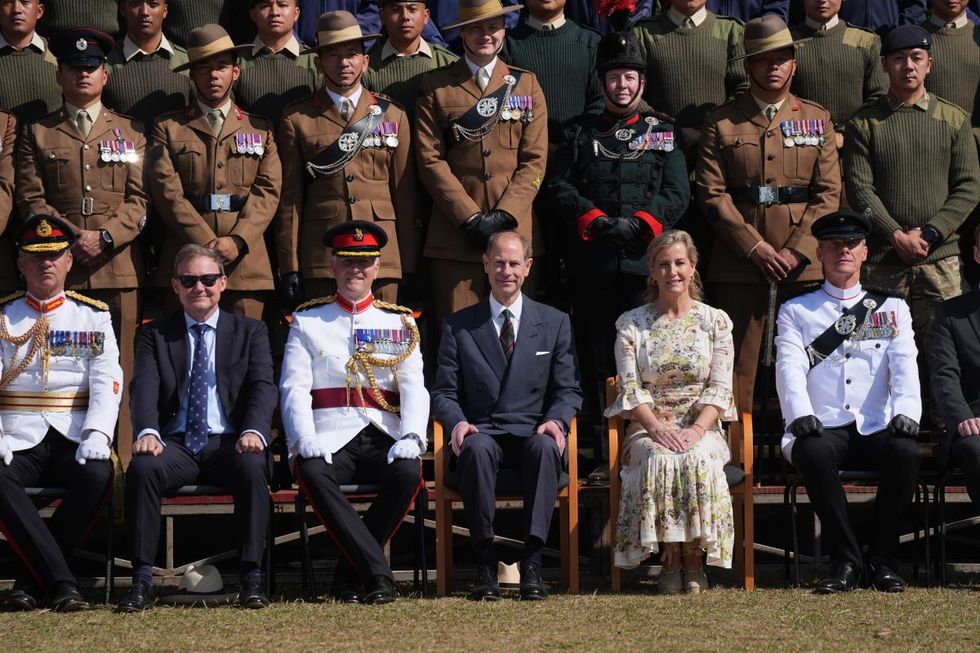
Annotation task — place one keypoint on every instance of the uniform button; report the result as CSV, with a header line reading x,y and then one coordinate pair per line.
x,y
768,180
88,167
351,200
486,152
847,406
219,186
769,134
220,164
487,177
86,146
88,189
877,345
350,177
770,157
848,382
51,156
847,355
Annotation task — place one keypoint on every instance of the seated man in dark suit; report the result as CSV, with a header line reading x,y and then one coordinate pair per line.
x,y
508,388
955,370
202,399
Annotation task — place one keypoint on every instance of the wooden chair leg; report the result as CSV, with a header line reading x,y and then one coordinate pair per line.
x,y
748,535
572,556
566,566
444,546
738,508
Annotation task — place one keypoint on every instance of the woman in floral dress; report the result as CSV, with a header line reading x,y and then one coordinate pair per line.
x,y
674,356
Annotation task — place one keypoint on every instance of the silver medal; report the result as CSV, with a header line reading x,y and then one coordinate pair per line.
x,y
347,142
624,134
505,114
870,303
259,149
788,142
668,147
487,107
391,141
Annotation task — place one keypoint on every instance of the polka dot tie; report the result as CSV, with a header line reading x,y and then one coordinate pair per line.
x,y
196,431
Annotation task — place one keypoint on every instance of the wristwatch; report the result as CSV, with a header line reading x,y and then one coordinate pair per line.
x,y
106,238
931,235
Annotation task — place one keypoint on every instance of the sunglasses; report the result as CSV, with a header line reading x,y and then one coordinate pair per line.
x,y
190,280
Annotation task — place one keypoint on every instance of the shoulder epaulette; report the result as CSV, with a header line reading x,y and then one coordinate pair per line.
x,y
523,70
392,308
737,21
11,297
858,37
387,98
810,103
659,115
948,112
319,301
94,303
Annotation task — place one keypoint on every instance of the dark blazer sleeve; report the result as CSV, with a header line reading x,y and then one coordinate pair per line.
x,y
564,390
258,388
144,388
446,390
946,373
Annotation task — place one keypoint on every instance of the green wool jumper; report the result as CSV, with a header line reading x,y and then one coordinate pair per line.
x,y
400,78
102,15
913,167
146,86
689,71
29,89
271,80
564,61
185,15
955,72
839,68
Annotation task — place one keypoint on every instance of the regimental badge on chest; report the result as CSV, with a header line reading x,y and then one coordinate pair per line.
x,y
118,150
77,344
382,341
249,143
803,133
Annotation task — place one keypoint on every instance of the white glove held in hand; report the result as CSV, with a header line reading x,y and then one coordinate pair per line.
x,y
314,448
5,453
94,447
406,448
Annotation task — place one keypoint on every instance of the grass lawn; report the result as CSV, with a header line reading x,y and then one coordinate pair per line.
x,y
721,620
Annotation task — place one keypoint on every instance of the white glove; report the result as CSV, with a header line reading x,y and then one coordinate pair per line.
x,y
314,448
5,453
405,448
94,447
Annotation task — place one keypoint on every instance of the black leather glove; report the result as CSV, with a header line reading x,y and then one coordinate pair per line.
x,y
291,290
601,226
628,234
484,225
903,427
807,426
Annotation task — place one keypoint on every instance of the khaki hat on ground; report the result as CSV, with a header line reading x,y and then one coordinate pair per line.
x,y
208,41
765,34
476,11
200,586
336,27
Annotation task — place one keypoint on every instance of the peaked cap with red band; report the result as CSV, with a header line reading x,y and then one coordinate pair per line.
x,y
356,238
44,233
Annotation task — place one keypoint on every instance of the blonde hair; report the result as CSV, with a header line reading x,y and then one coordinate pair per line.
x,y
662,242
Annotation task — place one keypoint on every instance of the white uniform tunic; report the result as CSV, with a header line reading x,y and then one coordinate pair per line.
x,y
871,377
83,359
321,341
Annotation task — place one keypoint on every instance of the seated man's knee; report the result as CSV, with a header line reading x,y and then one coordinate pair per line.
x,y
405,474
252,467
812,454
143,468
902,450
966,453
96,473
477,446
540,446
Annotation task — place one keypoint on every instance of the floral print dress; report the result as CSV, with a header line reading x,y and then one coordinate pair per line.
x,y
677,366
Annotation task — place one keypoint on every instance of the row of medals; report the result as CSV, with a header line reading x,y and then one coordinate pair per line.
x,y
116,151
803,132
249,144
627,135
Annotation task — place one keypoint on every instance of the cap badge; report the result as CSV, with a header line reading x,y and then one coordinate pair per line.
x,y
870,303
81,45
358,235
43,229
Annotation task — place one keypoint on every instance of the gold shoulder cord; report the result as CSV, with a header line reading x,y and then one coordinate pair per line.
x,y
37,335
362,360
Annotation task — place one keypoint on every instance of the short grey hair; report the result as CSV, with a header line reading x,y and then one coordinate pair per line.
x,y
492,241
192,250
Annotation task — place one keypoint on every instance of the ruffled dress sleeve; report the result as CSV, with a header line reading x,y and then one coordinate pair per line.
x,y
629,336
718,391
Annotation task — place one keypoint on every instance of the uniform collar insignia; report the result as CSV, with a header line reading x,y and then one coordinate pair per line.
x,y
355,307
45,306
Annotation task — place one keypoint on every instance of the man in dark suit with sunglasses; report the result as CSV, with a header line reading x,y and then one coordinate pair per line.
x,y
202,399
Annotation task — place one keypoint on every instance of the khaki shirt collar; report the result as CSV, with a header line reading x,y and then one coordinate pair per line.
x,y
338,99
291,47
473,67
816,26
959,22
388,50
130,49
225,108
536,24
36,42
762,104
895,104
697,17
93,111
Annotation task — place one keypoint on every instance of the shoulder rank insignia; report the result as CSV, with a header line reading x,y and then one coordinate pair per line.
x,y
94,303
393,308
11,297
319,301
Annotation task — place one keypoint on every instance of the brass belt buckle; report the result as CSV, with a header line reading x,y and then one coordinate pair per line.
x,y
88,206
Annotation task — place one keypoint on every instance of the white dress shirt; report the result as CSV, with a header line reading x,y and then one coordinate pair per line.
x,y
496,310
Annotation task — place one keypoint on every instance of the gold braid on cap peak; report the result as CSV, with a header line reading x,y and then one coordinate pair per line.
x,y
363,360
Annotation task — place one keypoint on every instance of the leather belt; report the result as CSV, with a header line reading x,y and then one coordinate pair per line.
x,y
338,398
217,202
51,402
770,195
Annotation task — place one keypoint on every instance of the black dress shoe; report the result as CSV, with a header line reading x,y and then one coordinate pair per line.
x,y
884,579
250,595
844,577
487,588
532,587
346,585
380,590
139,598
20,599
67,598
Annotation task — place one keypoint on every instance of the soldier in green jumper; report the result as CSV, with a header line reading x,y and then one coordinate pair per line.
x,y
910,157
27,67
618,181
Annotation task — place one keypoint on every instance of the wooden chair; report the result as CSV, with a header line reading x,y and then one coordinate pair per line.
x,y
446,496
738,474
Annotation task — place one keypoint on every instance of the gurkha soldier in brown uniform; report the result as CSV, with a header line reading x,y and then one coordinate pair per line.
x,y
215,177
84,163
346,155
766,170
9,280
482,134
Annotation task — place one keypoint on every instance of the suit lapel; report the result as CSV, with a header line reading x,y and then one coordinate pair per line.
x,y
974,314
197,121
465,80
747,105
67,126
488,342
100,127
500,70
527,335
177,344
221,354
233,122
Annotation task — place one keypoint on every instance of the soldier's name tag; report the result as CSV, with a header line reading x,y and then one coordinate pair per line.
x,y
77,344
662,141
384,135
250,144
803,133
393,342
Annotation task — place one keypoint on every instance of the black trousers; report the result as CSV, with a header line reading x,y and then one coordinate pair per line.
x,y
966,454
363,460
246,476
538,463
820,459
45,548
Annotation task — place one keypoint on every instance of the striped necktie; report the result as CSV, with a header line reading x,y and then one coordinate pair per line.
x,y
507,334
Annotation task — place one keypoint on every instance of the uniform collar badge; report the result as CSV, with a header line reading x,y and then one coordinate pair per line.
x,y
45,306
355,308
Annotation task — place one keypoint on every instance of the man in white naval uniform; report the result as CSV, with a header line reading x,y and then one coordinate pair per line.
x,y
355,410
60,385
849,393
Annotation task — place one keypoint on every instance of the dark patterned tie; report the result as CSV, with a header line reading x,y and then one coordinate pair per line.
x,y
196,431
507,334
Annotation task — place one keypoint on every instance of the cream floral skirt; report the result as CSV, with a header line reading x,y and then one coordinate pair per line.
x,y
674,497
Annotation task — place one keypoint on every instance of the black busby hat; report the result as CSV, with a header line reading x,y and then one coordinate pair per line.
x,y
620,50
842,225
356,238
